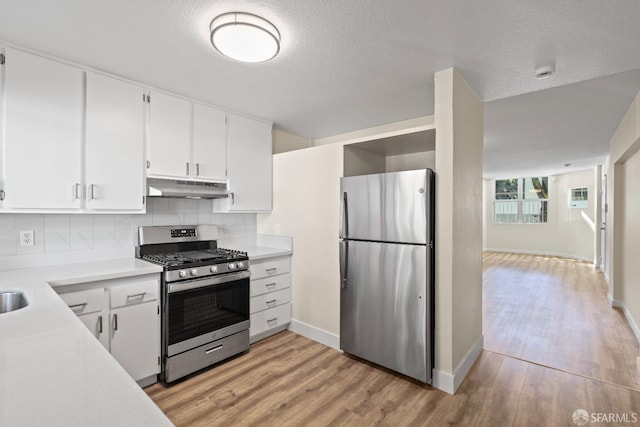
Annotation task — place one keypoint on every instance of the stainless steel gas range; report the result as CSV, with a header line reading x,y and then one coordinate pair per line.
x,y
204,298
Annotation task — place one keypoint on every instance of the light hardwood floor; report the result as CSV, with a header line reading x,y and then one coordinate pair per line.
x,y
289,380
554,312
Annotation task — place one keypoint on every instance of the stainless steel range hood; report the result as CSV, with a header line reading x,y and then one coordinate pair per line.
x,y
185,189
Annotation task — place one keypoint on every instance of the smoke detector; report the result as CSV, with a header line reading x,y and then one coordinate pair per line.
x,y
545,71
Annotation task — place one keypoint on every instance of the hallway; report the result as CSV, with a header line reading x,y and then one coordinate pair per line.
x,y
554,312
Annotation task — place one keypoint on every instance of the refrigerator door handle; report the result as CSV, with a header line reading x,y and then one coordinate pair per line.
x,y
344,261
344,224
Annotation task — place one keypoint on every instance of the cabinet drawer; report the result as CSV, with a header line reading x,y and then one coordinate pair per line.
x,y
269,267
270,284
134,293
267,319
83,302
270,300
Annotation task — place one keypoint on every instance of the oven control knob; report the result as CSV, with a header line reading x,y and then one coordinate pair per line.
x,y
182,273
232,266
214,269
240,264
194,272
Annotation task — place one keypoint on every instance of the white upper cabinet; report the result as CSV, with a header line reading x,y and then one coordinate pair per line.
x,y
75,140
169,136
250,166
43,133
114,144
209,149
187,141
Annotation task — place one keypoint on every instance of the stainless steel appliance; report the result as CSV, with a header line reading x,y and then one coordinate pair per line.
x,y
204,298
386,268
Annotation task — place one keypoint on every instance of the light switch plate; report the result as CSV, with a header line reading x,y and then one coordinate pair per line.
x,y
27,237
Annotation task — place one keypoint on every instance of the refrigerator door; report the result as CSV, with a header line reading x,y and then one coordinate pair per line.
x,y
388,207
384,300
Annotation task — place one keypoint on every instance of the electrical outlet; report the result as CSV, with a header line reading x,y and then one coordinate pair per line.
x,y
27,237
277,228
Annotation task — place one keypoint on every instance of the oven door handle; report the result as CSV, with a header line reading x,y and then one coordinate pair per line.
x,y
208,281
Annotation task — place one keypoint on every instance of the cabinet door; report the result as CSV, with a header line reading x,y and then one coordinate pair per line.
x,y
43,133
209,143
97,323
250,164
114,144
135,336
169,136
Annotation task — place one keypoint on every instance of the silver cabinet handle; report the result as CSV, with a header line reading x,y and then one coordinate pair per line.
x,y
271,270
76,191
272,320
344,220
81,305
115,321
1,194
148,164
268,285
211,350
233,198
140,295
92,191
100,324
344,262
270,302
197,169
187,168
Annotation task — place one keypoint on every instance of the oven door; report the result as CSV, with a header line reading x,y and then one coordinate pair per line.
x,y
204,310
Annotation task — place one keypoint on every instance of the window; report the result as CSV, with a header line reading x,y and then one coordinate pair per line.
x,y
578,198
521,200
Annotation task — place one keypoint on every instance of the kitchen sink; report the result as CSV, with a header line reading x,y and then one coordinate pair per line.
x,y
10,301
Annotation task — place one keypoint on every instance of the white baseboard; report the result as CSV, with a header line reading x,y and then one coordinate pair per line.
x,y
450,383
315,334
632,322
558,254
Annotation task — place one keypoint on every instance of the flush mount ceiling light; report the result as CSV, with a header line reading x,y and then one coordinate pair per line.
x,y
244,37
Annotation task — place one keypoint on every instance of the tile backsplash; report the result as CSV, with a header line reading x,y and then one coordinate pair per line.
x,y
93,237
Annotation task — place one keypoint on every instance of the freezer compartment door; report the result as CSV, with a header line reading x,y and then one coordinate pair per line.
x,y
388,207
385,307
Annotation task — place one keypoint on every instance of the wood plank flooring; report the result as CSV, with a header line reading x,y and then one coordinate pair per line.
x,y
289,380
554,312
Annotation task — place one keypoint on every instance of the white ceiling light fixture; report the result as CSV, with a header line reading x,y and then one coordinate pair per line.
x,y
244,37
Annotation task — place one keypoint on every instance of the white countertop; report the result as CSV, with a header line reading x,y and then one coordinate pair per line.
x,y
264,246
53,372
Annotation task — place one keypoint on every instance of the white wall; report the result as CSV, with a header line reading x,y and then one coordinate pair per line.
x,y
306,207
403,162
285,141
61,238
622,216
459,120
568,232
630,289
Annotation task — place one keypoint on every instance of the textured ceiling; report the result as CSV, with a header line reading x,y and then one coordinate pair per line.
x,y
348,65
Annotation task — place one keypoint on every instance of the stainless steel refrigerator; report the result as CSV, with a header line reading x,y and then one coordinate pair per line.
x,y
387,270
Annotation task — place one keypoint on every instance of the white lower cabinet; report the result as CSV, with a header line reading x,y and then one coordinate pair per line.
x,y
96,323
124,315
270,303
133,341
